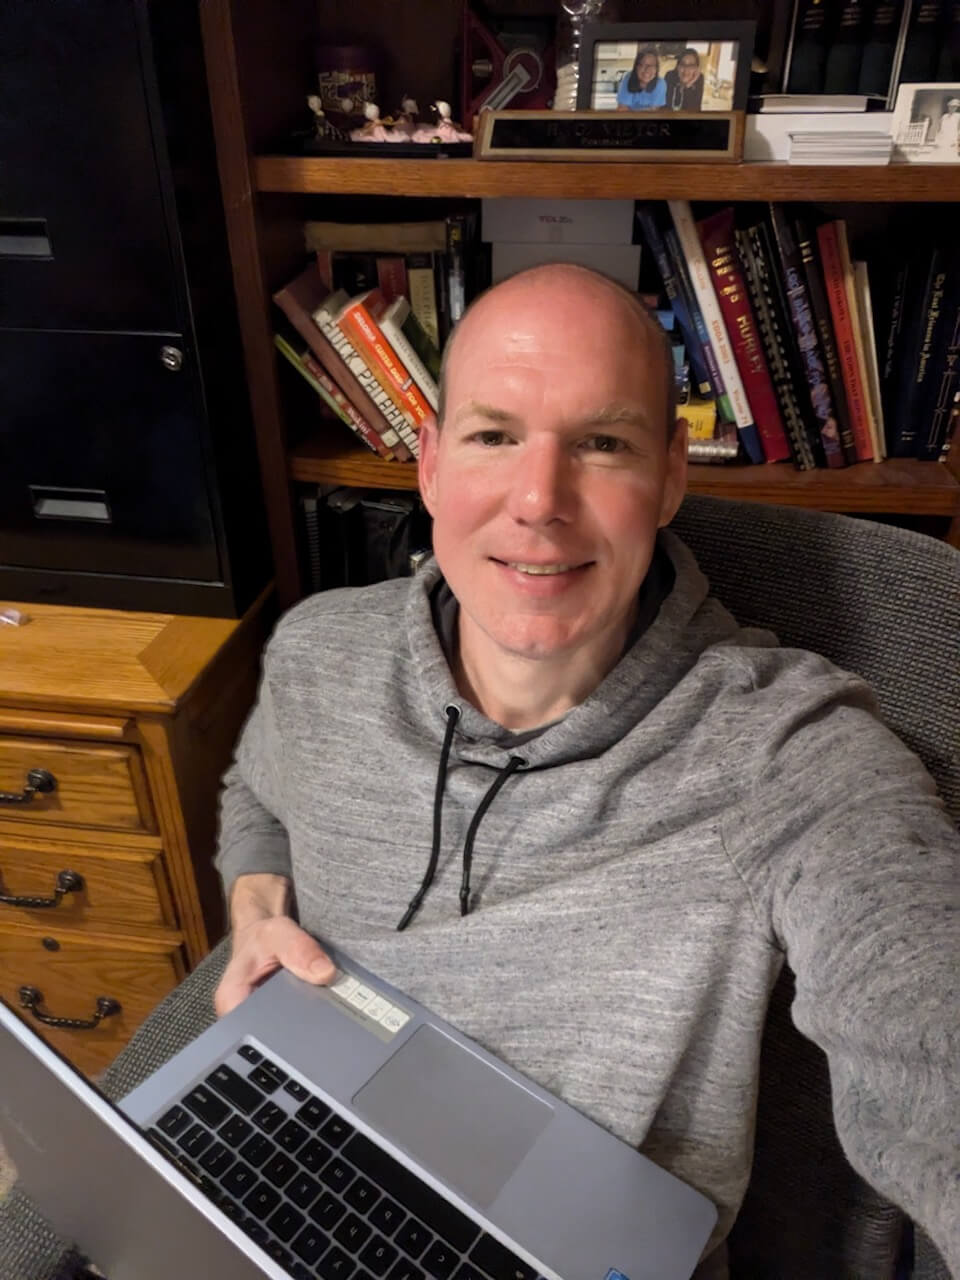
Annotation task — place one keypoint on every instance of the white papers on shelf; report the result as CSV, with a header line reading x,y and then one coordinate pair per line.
x,y
770,137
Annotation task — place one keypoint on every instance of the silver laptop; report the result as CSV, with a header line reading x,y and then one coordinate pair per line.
x,y
338,1133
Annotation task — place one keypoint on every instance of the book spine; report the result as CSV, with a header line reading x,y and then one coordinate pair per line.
x,y
671,287
360,321
328,355
703,288
953,427
456,269
948,62
684,283
902,442
922,49
808,345
395,417
770,330
391,444
412,362
307,367
847,34
422,279
308,504
809,51
872,372
854,305
392,277
876,63
934,415
716,234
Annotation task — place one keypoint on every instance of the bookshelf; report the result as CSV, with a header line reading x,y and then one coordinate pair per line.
x,y
259,60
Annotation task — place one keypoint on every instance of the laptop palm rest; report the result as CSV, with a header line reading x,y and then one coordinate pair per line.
x,y
459,1116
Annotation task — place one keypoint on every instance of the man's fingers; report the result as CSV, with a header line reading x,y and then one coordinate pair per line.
x,y
303,956
262,948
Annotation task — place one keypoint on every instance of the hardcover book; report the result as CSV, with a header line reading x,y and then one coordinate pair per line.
x,y
423,275
647,219
921,51
808,54
940,381
921,311
685,285
876,61
861,281
396,322
844,53
359,318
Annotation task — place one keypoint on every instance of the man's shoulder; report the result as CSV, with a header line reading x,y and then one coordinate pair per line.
x,y
339,614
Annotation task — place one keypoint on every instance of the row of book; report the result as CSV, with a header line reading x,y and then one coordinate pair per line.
x,y
786,339
863,46
366,320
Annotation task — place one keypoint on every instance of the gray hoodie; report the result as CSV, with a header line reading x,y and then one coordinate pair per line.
x,y
716,804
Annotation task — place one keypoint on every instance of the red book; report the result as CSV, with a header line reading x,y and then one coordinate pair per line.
x,y
719,247
392,277
359,321
360,424
298,300
838,295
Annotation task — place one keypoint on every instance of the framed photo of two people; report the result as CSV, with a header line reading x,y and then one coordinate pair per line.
x,y
665,66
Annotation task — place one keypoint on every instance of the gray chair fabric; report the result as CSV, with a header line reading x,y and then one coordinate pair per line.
x,y
873,599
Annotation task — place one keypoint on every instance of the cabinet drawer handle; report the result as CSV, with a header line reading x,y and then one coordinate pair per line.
x,y
67,882
30,998
38,781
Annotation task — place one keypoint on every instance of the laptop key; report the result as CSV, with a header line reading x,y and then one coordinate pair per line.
x,y
362,1196
352,1232
270,1117
235,1089
251,1054
263,1080
387,1216
466,1271
255,1230
336,1265
296,1090
309,1244
278,1253
314,1155
195,1141
497,1261
273,1070
217,1159
279,1169
206,1106
173,1121
336,1131
430,1207
337,1174
439,1261
327,1211
263,1199
303,1190
235,1131
378,1255
286,1222
238,1180
299,1271
403,1269
230,1207
291,1136
257,1150
313,1113
413,1237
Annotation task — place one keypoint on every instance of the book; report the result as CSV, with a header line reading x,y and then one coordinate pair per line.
x,y
422,276
922,308
456,275
859,338
922,47
392,276
392,322
848,32
716,236
825,321
310,371
808,53
771,137
325,318
647,219
880,46
377,237
775,332
686,230
940,385
299,301
679,263
861,279
805,333
359,319
948,60
836,266
813,103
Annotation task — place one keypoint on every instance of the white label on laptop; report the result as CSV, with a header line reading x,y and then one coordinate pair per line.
x,y
374,1009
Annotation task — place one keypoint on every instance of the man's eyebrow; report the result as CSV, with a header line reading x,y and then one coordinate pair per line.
x,y
613,414
474,409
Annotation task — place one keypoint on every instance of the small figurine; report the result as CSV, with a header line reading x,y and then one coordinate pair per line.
x,y
407,118
325,131
445,130
375,129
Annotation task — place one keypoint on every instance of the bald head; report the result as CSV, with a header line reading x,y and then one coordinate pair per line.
x,y
594,295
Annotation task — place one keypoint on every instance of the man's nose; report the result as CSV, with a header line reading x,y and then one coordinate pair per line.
x,y
542,485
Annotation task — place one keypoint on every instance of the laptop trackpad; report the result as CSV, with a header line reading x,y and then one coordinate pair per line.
x,y
464,1120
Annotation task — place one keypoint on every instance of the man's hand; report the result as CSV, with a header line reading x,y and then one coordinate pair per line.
x,y
265,939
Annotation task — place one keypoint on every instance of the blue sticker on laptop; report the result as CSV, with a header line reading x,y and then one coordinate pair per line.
x,y
613,1274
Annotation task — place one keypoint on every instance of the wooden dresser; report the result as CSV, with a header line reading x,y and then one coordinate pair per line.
x,y
114,731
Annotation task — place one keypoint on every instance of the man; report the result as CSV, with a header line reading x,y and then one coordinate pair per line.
x,y
553,790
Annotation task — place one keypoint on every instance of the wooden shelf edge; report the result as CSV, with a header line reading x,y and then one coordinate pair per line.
x,y
900,486
477,178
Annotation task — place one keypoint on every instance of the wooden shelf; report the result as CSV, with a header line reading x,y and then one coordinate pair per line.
x,y
475,178
901,485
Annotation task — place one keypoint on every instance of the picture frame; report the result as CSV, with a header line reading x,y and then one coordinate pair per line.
x,y
926,123
601,136
700,66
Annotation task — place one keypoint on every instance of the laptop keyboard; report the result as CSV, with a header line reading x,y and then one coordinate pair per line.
x,y
316,1194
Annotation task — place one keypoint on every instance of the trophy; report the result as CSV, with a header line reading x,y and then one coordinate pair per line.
x,y
574,16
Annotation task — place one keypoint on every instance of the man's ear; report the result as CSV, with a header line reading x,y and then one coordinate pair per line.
x,y
675,480
429,439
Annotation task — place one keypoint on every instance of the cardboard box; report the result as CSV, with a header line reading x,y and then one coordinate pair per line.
x,y
558,221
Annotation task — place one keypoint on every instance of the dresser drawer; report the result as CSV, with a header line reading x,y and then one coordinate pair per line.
x,y
56,885
72,977
96,785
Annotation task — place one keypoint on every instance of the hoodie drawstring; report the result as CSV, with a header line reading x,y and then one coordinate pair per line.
x,y
512,765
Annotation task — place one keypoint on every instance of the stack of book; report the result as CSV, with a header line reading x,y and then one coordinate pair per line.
x,y
825,134
782,333
840,146
525,233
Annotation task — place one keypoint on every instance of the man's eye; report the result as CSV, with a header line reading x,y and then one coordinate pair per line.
x,y
604,444
490,438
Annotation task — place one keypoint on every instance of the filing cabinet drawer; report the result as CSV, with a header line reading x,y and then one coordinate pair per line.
x,y
95,785
70,972
56,885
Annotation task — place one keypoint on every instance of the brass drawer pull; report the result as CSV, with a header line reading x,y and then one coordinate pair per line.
x,y
67,882
38,781
30,997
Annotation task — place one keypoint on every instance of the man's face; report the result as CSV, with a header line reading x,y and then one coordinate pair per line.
x,y
688,70
551,473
